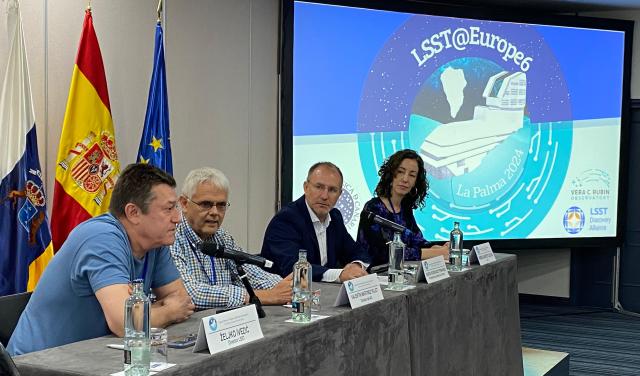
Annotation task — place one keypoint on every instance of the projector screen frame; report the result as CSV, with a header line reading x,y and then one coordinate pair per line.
x,y
472,12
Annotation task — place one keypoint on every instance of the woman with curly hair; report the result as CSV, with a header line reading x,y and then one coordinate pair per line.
x,y
402,188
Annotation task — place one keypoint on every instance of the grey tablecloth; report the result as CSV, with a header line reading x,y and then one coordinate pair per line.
x,y
465,325
468,324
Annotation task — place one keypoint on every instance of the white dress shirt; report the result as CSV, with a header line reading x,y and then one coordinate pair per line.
x,y
320,227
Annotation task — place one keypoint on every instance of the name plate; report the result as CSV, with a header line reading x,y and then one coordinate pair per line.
x,y
434,269
359,292
229,329
482,253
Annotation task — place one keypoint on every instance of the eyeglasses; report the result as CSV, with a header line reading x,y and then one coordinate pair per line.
x,y
319,187
208,205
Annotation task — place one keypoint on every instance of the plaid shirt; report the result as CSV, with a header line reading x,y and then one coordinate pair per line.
x,y
210,281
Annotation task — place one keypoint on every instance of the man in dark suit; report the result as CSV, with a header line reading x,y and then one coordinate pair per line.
x,y
312,223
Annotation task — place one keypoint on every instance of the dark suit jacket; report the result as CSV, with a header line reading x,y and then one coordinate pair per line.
x,y
291,229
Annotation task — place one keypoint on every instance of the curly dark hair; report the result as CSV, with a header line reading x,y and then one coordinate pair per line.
x,y
415,198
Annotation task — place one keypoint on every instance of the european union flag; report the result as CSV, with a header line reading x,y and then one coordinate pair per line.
x,y
155,146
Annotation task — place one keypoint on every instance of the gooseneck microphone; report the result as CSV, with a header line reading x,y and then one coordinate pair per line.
x,y
371,216
217,250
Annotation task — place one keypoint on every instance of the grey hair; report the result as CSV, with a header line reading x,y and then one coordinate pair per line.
x,y
201,175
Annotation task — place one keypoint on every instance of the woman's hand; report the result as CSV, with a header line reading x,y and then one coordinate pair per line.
x,y
435,251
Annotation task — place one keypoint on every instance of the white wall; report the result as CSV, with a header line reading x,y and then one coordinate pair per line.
x,y
221,58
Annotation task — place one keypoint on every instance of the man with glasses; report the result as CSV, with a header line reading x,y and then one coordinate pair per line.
x,y
312,223
213,282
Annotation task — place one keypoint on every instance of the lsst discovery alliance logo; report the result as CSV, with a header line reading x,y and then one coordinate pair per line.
x,y
573,220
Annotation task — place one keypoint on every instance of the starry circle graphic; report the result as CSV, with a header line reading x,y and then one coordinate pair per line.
x,y
349,206
493,149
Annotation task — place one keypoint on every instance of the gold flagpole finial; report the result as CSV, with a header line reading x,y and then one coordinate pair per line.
x,y
89,5
159,11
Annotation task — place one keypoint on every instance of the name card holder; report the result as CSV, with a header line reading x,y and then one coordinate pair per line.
x,y
228,329
482,254
434,269
359,292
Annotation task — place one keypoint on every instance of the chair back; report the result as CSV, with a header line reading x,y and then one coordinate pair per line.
x,y
7,366
11,307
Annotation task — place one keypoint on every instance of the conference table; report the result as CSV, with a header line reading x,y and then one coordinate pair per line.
x,y
467,324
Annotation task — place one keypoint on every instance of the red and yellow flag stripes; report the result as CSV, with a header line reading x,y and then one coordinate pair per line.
x,y
87,163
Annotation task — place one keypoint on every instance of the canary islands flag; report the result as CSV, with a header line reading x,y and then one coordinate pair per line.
x,y
155,146
25,241
87,164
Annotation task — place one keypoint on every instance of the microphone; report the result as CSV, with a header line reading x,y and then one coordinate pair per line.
x,y
216,250
384,222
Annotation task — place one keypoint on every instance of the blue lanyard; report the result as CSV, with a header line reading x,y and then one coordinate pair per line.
x,y
144,269
396,216
212,277
143,275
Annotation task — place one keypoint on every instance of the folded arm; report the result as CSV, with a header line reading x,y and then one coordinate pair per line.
x,y
174,305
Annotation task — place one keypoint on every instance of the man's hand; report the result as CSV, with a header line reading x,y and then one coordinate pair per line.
x,y
177,307
278,294
351,271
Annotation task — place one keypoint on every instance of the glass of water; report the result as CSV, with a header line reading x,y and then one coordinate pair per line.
x,y
410,272
158,341
315,300
465,257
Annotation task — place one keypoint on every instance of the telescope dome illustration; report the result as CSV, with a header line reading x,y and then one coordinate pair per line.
x,y
457,148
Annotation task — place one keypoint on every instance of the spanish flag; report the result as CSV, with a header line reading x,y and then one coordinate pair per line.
x,y
25,241
87,165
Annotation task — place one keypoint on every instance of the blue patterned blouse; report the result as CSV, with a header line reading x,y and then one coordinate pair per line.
x,y
374,237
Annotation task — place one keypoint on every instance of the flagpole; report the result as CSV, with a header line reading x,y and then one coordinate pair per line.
x,y
159,11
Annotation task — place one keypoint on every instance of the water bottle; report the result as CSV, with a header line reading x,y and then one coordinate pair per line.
x,y
301,299
396,263
137,352
455,248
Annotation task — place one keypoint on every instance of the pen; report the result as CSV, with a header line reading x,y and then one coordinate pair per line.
x,y
115,346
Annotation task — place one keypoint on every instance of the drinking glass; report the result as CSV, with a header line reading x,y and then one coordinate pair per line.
x,y
410,272
315,300
158,341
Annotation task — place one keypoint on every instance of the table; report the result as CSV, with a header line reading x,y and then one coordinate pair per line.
x,y
467,324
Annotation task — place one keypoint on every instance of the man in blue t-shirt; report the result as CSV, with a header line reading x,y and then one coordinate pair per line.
x,y
82,292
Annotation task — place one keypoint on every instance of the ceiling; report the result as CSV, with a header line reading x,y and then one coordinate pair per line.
x,y
564,6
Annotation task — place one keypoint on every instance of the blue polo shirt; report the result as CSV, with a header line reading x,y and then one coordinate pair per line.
x,y
64,307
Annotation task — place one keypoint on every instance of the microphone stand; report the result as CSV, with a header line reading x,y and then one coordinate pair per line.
x,y
253,299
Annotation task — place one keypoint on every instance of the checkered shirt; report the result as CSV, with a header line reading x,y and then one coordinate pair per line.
x,y
225,289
